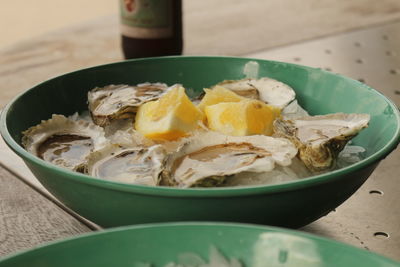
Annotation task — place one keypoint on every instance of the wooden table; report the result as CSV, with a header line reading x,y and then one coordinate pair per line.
x,y
29,216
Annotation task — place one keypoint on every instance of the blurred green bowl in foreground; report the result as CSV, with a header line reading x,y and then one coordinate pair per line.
x,y
291,204
222,245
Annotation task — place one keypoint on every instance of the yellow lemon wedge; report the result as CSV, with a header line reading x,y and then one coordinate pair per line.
x,y
169,118
218,95
247,117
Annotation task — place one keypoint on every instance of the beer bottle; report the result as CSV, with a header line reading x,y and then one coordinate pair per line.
x,y
151,27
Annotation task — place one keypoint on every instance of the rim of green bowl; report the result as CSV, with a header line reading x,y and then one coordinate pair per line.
x,y
207,224
202,192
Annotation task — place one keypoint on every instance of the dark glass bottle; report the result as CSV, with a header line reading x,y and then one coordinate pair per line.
x,y
151,28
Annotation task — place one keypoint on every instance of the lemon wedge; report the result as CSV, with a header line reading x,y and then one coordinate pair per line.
x,y
218,95
169,118
247,117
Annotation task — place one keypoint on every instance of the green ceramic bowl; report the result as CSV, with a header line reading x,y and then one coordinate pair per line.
x,y
291,204
160,244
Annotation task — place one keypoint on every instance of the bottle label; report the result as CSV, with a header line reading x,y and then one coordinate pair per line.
x,y
147,19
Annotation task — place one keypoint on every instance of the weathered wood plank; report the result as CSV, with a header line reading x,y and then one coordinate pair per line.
x,y
224,27
16,165
28,219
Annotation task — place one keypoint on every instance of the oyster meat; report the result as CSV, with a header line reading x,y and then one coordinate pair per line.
x,y
207,159
280,174
321,138
113,102
63,141
135,165
270,91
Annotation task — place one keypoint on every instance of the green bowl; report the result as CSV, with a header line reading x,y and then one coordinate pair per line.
x,y
160,244
291,204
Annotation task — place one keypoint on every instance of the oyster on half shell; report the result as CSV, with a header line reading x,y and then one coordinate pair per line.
x,y
208,159
112,102
63,141
321,138
270,91
134,165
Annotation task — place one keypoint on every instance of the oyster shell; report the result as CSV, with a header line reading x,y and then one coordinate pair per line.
x,y
209,158
63,141
121,101
270,91
135,165
321,138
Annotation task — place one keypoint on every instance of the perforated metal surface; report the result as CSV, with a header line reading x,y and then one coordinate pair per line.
x,y
370,218
371,56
